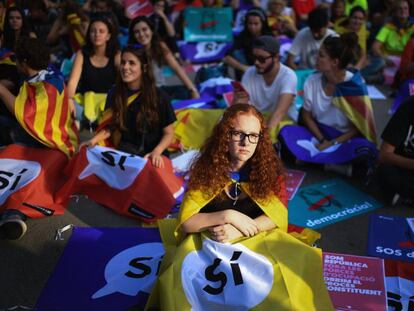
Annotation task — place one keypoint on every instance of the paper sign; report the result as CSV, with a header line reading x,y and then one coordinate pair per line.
x,y
390,237
325,203
135,8
294,179
208,24
355,282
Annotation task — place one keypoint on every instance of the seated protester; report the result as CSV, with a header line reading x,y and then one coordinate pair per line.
x,y
236,170
32,60
240,56
396,158
15,27
40,18
95,66
162,25
69,30
236,195
281,19
42,97
138,119
337,114
308,40
350,4
406,69
141,32
337,11
269,85
355,23
390,40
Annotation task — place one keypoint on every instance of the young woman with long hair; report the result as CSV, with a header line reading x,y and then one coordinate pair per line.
x,y
236,185
15,26
141,31
339,125
138,118
96,64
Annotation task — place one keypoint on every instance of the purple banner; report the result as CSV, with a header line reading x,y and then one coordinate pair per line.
x,y
215,87
104,269
301,142
204,102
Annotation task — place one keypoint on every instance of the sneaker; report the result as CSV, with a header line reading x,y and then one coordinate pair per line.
x,y
12,228
344,169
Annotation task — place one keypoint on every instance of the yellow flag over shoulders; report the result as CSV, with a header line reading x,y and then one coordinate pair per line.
x,y
270,271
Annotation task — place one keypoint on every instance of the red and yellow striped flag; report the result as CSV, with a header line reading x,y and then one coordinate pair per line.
x,y
42,109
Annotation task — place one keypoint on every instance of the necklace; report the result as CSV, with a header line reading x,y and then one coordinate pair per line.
x,y
234,192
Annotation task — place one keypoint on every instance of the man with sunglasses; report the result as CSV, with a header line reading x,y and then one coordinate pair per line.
x,y
269,85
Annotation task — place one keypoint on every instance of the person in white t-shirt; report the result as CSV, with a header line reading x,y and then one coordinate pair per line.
x,y
308,40
269,85
339,126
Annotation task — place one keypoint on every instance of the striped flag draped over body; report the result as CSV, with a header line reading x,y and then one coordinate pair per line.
x,y
42,109
352,98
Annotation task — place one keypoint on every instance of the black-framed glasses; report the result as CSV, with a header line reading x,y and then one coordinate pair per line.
x,y
238,136
261,59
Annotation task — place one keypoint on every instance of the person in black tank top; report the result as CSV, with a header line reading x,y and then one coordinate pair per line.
x,y
97,79
95,66
233,179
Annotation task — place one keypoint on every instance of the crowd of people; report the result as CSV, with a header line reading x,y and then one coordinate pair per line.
x,y
347,43
237,183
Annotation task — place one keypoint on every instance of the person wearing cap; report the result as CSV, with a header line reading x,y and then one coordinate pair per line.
x,y
308,40
269,85
240,56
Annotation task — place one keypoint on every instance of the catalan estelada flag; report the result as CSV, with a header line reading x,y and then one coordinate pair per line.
x,y
76,37
352,98
107,120
42,109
